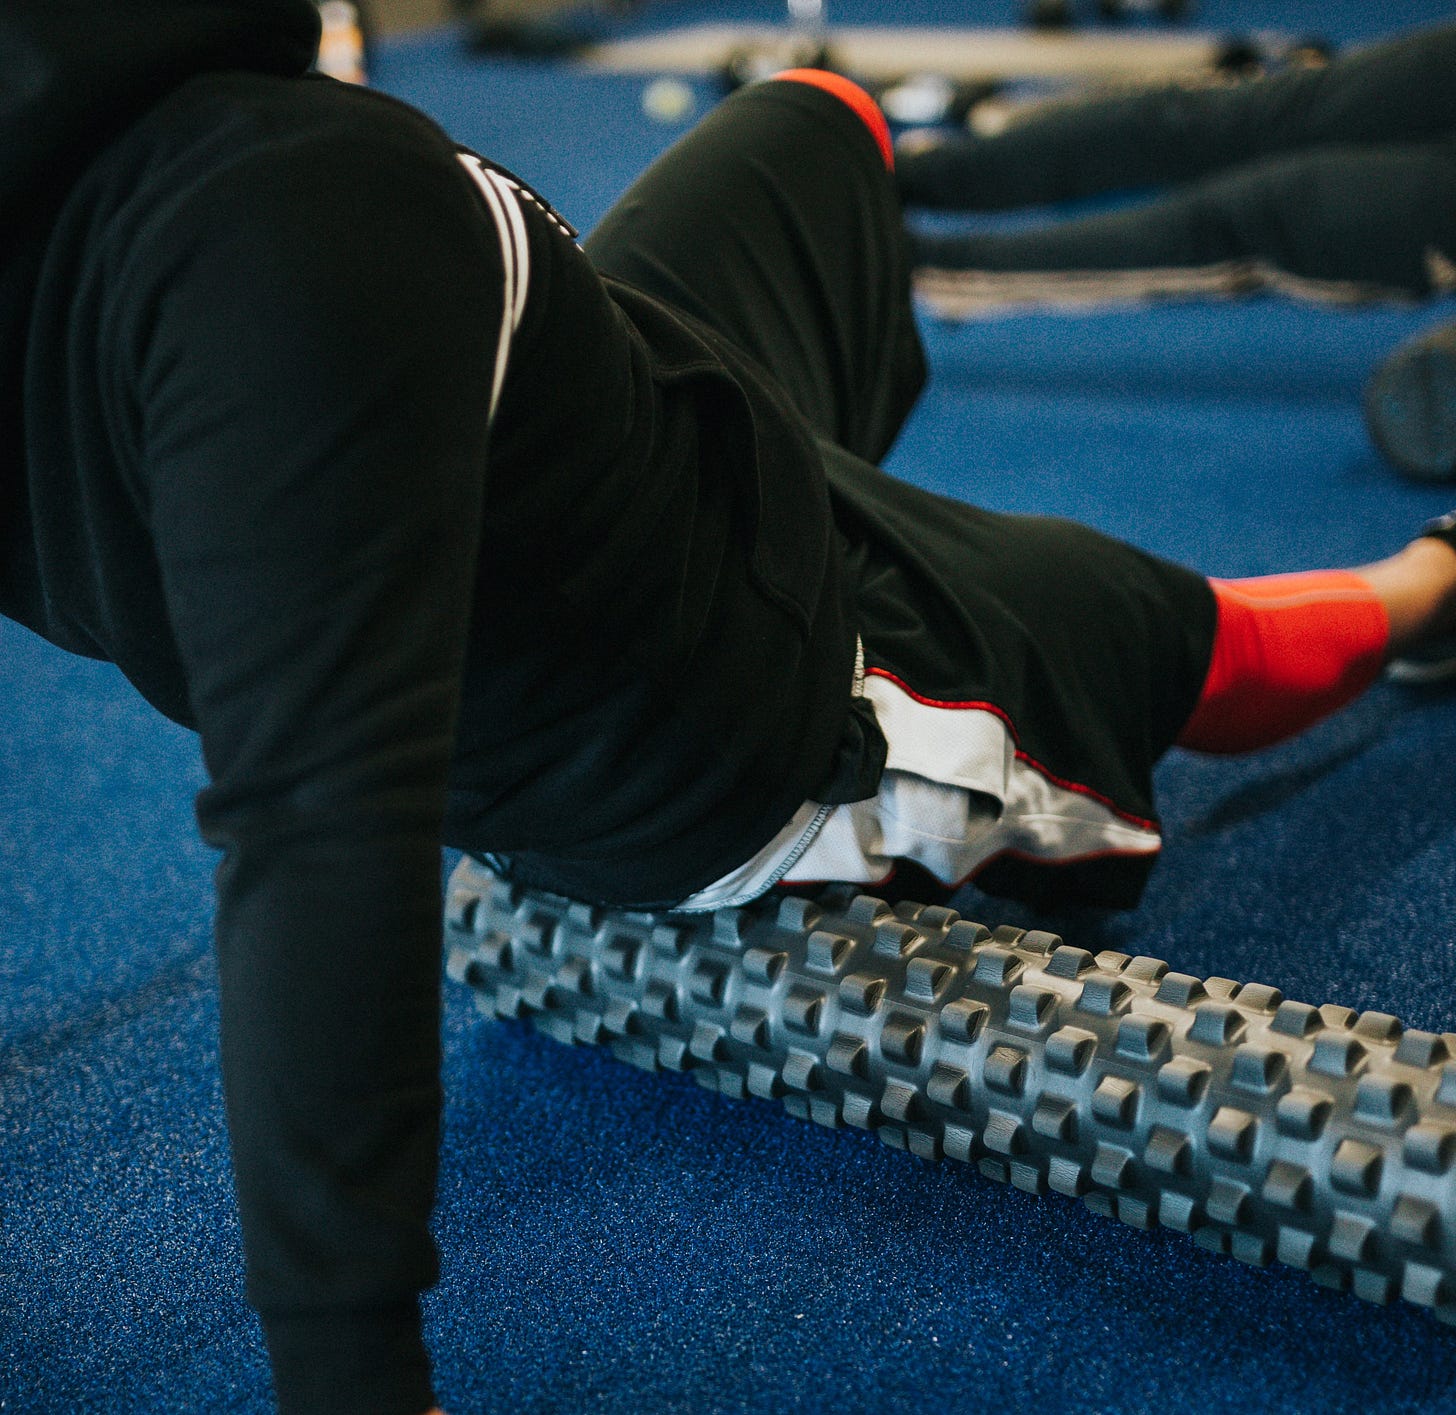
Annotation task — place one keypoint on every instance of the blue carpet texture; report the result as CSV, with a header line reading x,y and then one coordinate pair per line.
x,y
615,1242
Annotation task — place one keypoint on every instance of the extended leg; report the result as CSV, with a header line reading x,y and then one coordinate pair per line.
x,y
1352,218
1400,91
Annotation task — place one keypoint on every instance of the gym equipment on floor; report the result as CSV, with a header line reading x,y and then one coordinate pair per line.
x,y
1266,1129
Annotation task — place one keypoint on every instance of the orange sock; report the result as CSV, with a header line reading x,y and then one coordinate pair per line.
x,y
1289,650
852,94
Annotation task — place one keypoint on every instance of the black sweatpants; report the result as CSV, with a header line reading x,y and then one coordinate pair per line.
x,y
1344,174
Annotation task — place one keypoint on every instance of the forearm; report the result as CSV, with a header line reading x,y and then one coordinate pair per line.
x,y
328,949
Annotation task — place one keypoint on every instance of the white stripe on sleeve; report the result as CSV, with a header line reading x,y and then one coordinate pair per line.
x,y
504,207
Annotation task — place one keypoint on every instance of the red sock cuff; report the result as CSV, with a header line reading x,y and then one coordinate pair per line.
x,y
1288,650
852,94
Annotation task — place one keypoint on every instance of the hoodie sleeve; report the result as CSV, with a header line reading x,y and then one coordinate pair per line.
x,y
329,317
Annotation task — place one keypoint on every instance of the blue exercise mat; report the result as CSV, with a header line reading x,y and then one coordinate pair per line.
x,y
617,1242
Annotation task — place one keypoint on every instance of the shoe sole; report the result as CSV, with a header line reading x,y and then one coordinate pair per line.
x,y
1413,671
1410,407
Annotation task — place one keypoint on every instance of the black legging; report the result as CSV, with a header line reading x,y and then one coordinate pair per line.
x,y
1345,173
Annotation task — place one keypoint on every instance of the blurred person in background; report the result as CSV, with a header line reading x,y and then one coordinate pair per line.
x,y
1333,182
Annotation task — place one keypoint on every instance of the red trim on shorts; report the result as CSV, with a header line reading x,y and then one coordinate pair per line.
x,y
852,94
1288,651
1082,790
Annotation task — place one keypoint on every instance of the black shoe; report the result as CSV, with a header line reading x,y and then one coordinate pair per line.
x,y
1442,528
1410,405
1433,662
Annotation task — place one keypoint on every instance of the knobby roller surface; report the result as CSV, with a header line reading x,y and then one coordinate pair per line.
x,y
1266,1129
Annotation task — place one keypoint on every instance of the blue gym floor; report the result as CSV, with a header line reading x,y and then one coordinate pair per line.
x,y
615,1242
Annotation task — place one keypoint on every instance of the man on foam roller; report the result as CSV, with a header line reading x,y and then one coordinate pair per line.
x,y
441,530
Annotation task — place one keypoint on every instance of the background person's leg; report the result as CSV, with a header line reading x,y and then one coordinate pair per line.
x,y
1400,91
776,222
1371,218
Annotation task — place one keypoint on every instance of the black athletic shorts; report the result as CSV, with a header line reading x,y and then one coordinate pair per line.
x,y
1087,655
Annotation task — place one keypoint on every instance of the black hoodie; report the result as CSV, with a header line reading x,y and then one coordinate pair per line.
x,y
249,325
73,73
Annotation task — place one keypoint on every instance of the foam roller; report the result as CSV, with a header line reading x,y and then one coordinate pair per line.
x,y
1266,1129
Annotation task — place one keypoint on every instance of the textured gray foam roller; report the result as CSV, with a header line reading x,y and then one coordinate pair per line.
x,y
1266,1129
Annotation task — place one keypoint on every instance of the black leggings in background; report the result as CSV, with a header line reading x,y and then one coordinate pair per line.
x,y
1345,173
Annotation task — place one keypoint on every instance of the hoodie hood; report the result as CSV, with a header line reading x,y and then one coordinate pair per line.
x,y
75,72
73,75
